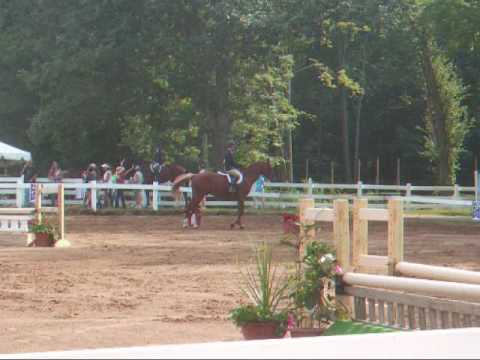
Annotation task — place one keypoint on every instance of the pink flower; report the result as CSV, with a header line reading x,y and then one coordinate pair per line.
x,y
338,270
290,322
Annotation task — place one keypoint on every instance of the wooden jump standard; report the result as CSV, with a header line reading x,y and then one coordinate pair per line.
x,y
438,297
17,219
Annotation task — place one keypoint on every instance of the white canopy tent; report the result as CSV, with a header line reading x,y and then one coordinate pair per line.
x,y
8,152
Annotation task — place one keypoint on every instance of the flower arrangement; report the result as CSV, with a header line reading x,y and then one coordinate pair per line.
x,y
44,232
265,290
313,284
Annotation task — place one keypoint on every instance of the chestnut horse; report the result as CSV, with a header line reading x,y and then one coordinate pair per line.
x,y
216,184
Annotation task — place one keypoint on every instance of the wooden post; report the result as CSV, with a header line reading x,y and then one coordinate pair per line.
x,y
61,210
360,232
398,171
359,168
477,185
306,169
305,236
341,233
395,234
332,172
62,242
38,204
205,150
377,177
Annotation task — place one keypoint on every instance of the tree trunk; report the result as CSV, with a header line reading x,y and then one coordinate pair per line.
x,y
437,117
220,115
359,114
343,114
343,111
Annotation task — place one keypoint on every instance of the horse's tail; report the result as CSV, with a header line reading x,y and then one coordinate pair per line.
x,y
179,180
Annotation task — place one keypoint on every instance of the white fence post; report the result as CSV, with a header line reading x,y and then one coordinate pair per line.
x,y
456,191
19,196
310,186
409,190
359,189
408,193
93,195
155,196
477,185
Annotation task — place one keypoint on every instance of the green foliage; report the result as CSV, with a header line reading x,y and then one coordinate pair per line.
x,y
446,136
264,288
264,113
308,285
45,228
245,314
341,327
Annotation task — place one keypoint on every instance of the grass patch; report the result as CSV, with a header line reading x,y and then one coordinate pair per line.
x,y
348,327
442,212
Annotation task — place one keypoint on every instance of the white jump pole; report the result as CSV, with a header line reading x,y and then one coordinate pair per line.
x,y
436,288
438,273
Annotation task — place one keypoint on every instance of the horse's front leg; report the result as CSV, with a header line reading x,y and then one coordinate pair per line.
x,y
195,210
239,215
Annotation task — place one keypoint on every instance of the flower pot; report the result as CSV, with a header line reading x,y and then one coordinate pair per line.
x,y
260,330
306,332
43,239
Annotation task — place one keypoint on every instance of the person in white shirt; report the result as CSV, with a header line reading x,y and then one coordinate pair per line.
x,y
107,179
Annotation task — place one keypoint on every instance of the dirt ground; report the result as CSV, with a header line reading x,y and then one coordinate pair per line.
x,y
142,280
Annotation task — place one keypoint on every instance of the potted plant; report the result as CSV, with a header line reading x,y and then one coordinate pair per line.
x,y
312,291
46,234
261,317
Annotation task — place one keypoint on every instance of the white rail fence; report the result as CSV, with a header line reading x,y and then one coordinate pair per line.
x,y
13,192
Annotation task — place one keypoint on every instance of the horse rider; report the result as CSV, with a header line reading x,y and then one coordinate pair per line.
x,y
157,163
231,167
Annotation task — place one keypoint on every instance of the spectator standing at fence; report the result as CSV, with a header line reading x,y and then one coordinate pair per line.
x,y
29,174
259,188
107,179
83,192
54,175
139,194
120,175
91,176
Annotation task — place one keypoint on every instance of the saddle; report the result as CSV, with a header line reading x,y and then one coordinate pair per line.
x,y
233,181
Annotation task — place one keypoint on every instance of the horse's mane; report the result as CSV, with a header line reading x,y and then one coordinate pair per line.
x,y
254,165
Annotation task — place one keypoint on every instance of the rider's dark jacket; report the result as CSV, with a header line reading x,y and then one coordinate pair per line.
x,y
229,161
158,158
